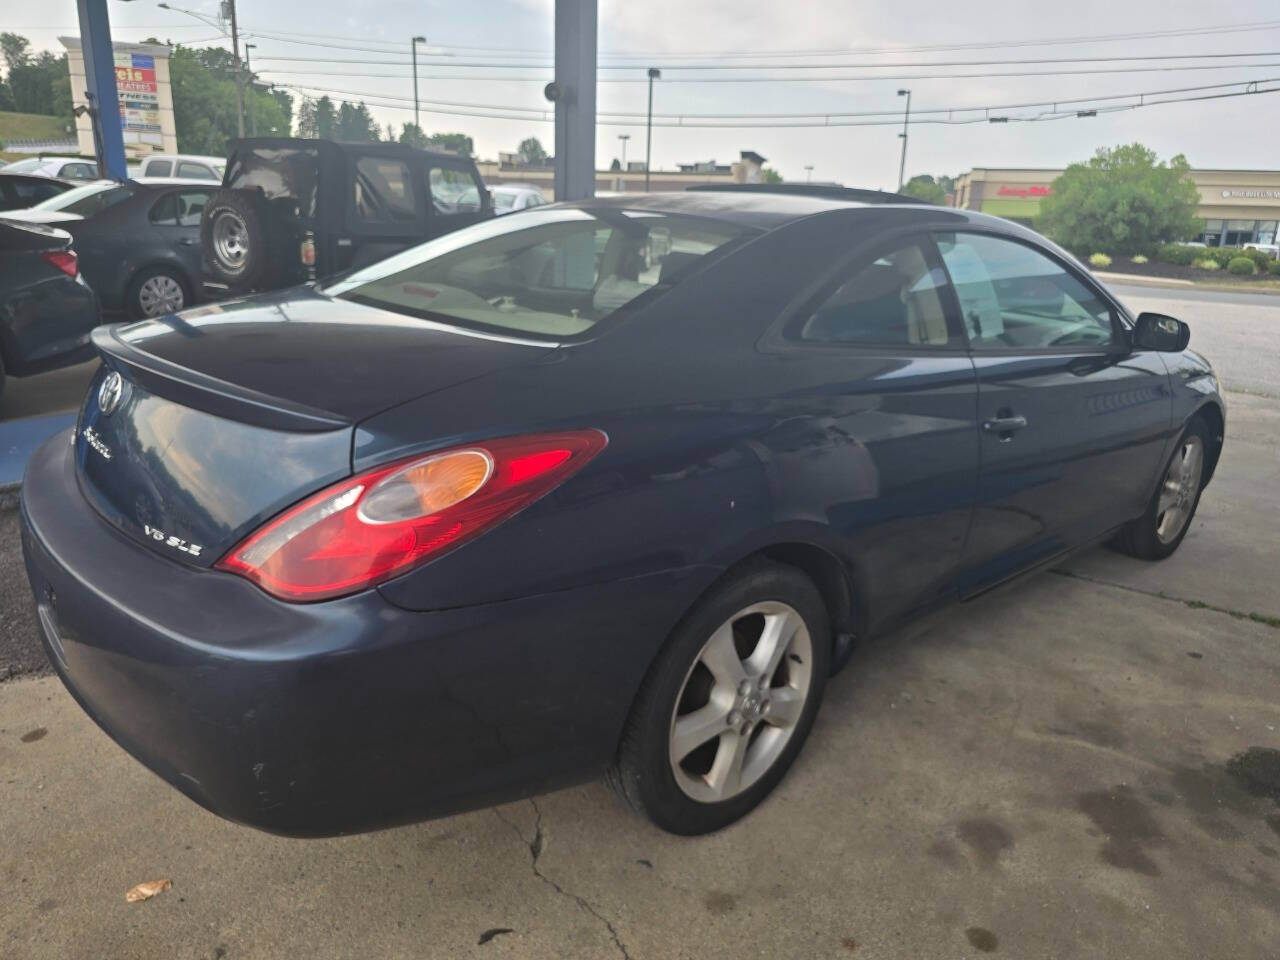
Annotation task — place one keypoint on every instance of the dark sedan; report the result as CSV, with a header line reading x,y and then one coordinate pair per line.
x,y
139,243
609,487
46,308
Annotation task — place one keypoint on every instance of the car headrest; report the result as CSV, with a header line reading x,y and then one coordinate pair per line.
x,y
675,265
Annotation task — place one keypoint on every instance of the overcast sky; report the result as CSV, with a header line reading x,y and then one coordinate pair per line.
x,y
1243,132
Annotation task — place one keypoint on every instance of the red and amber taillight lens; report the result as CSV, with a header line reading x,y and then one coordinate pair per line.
x,y
381,523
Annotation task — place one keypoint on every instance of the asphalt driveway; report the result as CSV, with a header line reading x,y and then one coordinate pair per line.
x,y
1086,765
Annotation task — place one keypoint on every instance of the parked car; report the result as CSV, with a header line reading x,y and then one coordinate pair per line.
x,y
186,166
20,190
46,308
64,168
518,507
139,243
291,210
1270,249
508,198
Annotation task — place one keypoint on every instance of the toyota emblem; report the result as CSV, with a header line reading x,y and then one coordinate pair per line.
x,y
110,393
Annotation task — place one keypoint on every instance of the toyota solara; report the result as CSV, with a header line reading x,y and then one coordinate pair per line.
x,y
608,487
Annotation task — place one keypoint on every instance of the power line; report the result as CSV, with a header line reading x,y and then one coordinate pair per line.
x,y
503,112
985,75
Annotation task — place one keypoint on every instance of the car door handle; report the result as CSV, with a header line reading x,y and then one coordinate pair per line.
x,y
1004,427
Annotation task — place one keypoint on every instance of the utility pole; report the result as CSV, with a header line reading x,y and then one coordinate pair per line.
x,y
229,11
654,74
413,47
253,118
906,120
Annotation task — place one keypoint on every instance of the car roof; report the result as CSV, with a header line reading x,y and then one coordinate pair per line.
x,y
177,182
182,156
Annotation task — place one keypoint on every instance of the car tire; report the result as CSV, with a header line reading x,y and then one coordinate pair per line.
x,y
1159,531
737,738
234,239
157,292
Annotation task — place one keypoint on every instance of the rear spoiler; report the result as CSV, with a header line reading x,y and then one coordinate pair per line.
x,y
203,392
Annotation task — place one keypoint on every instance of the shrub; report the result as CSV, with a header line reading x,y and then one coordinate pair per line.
x,y
1241,267
1207,264
1274,267
1177,254
1139,259
1260,259
1100,260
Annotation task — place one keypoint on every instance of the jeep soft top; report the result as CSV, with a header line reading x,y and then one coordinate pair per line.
x,y
292,209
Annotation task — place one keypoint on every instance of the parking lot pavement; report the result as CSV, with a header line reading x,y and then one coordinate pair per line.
x,y
54,392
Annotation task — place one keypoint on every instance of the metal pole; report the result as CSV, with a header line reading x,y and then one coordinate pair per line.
x,y
413,46
235,59
100,83
624,137
654,74
253,117
574,93
808,173
906,120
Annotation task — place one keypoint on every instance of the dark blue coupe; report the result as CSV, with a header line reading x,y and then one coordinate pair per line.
x,y
607,487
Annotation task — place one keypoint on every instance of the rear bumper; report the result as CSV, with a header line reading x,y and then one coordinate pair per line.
x,y
334,717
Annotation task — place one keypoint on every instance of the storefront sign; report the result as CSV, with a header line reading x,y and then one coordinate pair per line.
x,y
1245,194
1025,191
139,98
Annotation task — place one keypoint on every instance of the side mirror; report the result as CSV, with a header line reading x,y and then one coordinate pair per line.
x,y
1155,331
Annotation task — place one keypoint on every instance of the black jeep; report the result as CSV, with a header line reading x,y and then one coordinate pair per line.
x,y
294,210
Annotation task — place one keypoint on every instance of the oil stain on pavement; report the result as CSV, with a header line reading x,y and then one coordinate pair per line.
x,y
31,736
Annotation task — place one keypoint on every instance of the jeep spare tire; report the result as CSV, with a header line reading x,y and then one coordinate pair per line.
x,y
234,239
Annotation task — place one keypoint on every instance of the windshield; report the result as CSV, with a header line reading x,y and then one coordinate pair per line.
x,y
553,272
87,200
23,166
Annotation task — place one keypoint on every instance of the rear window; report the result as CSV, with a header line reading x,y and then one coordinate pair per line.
x,y
87,200
276,173
552,272
195,171
159,168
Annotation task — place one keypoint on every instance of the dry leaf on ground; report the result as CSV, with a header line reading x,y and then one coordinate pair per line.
x,y
147,890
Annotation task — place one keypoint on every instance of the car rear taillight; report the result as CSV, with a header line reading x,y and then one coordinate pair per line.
x,y
64,260
307,252
381,523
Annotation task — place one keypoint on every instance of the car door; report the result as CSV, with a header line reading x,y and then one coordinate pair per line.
x,y
1073,421
893,455
175,216
383,212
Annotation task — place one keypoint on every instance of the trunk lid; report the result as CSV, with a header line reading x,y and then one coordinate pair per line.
x,y
201,426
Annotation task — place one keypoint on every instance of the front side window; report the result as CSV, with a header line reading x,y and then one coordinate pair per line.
x,y
453,190
159,168
1013,297
894,300
383,191
553,273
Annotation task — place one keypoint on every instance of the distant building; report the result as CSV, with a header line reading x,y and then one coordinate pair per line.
x,y
510,168
1238,206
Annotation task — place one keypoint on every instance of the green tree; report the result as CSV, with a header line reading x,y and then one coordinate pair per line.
x,y
926,188
770,175
13,49
615,166
202,80
354,124
1122,201
411,135
531,151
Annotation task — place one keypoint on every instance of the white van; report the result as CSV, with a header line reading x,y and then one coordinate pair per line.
x,y
184,166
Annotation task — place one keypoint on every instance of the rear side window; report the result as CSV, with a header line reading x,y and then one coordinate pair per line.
x,y
181,208
893,301
79,171
383,191
1014,298
158,168
454,190
196,171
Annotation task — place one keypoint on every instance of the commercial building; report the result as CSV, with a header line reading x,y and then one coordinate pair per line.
x,y
509,168
146,101
1238,206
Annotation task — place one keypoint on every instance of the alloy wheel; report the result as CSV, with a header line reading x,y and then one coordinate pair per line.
x,y
160,295
1179,489
740,702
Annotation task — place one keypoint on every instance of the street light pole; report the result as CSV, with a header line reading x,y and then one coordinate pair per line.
x,y
413,47
906,120
235,59
624,137
654,74
253,119
808,172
